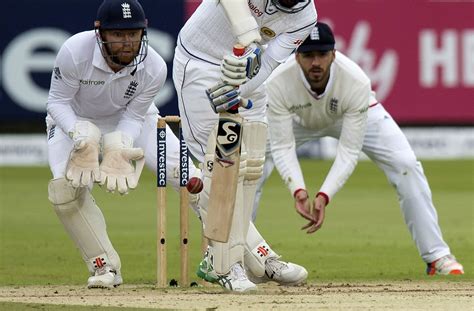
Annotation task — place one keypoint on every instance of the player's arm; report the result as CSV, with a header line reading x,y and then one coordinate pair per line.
x,y
83,164
283,148
347,154
258,65
350,141
277,52
243,24
65,83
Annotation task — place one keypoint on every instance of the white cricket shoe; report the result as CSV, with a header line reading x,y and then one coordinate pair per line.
x,y
235,281
284,273
104,277
444,266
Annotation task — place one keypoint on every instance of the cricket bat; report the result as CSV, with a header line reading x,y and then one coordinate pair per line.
x,y
225,172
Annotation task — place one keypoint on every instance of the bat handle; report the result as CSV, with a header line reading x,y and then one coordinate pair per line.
x,y
238,50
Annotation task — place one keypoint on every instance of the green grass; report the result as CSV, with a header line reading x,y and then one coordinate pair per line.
x,y
363,237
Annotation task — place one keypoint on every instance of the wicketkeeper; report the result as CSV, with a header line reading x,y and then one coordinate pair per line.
x,y
101,126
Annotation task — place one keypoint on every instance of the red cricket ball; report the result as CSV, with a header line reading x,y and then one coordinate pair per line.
x,y
194,185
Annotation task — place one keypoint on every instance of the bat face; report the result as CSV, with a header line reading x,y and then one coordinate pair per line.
x,y
225,174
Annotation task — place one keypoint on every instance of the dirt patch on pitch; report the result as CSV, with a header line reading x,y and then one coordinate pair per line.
x,y
414,295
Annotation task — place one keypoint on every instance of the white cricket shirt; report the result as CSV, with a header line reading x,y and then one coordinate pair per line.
x,y
290,99
207,35
84,87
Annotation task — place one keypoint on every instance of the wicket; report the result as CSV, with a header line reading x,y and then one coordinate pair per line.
x,y
183,203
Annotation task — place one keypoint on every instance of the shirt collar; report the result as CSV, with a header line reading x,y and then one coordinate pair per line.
x,y
328,86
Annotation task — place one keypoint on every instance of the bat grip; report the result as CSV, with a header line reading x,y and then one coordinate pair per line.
x,y
238,50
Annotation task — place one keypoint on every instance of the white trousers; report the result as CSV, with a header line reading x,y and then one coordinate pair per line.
x,y
386,145
192,78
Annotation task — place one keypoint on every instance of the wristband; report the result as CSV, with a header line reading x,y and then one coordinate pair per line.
x,y
324,195
297,191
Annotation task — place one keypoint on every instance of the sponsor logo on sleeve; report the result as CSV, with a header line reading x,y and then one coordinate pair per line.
x,y
57,73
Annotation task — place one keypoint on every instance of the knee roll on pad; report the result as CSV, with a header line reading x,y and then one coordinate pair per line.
x,y
243,164
255,139
60,192
254,169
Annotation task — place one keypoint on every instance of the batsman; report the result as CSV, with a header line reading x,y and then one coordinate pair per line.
x,y
231,145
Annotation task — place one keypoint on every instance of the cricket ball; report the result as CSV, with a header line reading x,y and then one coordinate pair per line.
x,y
194,185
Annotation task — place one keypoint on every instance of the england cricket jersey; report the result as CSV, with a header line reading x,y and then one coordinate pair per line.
x,y
84,87
345,101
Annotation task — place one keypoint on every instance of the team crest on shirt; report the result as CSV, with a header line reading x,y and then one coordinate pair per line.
x,y
333,105
131,89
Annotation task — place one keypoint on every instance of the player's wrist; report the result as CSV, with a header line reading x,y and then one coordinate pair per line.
x,y
324,196
299,191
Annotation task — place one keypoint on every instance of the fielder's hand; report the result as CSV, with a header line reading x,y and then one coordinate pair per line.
x,y
83,165
303,204
117,169
237,69
319,204
223,96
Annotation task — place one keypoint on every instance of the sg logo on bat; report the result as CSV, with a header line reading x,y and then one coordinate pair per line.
x,y
229,133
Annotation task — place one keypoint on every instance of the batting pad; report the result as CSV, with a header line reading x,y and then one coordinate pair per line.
x,y
254,142
84,222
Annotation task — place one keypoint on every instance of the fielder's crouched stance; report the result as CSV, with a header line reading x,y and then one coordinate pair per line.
x,y
321,92
101,98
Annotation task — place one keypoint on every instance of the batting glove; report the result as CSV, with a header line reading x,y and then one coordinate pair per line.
x,y
223,97
83,165
117,170
237,70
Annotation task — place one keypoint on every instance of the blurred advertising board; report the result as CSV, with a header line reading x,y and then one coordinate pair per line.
x,y
29,44
419,53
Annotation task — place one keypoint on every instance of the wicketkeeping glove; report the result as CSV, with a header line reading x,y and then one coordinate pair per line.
x,y
237,69
116,169
223,96
83,165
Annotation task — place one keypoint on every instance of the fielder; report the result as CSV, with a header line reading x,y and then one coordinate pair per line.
x,y
204,61
101,98
320,92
